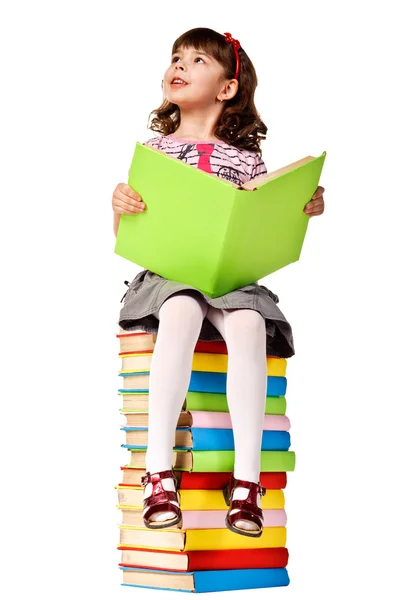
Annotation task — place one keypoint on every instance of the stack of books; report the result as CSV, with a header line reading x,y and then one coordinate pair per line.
x,y
201,554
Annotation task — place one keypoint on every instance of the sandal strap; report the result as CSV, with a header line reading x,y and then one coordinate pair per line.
x,y
245,515
248,507
156,477
160,496
254,488
160,507
251,485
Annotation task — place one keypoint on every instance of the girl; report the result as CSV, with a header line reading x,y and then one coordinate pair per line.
x,y
208,119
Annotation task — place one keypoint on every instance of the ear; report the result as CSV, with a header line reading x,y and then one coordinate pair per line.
x,y
228,91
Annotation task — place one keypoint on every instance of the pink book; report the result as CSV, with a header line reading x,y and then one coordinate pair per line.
x,y
222,420
215,519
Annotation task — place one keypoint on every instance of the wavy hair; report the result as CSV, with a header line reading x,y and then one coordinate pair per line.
x,y
239,124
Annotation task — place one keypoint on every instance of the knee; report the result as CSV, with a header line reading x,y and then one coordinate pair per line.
x,y
183,311
245,328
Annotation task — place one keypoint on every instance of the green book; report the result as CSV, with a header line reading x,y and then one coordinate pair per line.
x,y
275,405
207,401
208,233
219,461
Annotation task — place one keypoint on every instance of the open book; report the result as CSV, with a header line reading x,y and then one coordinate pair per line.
x,y
206,232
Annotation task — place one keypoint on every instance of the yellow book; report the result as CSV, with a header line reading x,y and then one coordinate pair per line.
x,y
199,539
202,361
197,499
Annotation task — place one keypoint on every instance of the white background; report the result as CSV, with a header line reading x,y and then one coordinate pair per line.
x,y
79,81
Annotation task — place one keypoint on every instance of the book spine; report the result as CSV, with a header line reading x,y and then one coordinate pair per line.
x,y
219,439
223,461
223,439
222,420
253,558
216,382
239,579
224,539
217,481
210,402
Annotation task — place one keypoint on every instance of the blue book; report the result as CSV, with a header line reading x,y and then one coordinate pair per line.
x,y
205,581
201,438
204,381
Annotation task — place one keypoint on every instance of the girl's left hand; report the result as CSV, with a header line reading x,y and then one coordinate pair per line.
x,y
316,205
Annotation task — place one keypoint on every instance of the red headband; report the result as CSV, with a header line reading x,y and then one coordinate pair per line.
x,y
236,46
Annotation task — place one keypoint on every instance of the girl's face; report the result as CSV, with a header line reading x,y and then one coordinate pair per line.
x,y
203,76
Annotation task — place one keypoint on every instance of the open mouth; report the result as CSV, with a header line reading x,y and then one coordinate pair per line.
x,y
178,82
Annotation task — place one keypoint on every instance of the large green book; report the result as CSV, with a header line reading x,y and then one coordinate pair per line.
x,y
208,233
219,461
204,401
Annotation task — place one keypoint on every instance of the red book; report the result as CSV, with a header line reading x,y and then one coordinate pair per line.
x,y
131,343
204,560
206,481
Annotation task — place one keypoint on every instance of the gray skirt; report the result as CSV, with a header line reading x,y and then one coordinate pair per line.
x,y
148,291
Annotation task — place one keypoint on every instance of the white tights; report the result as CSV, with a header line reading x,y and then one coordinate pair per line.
x,y
180,321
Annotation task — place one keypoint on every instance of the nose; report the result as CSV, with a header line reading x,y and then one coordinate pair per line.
x,y
179,66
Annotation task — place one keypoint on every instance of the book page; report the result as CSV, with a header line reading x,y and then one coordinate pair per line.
x,y
254,183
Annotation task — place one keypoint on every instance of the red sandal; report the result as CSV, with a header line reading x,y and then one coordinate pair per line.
x,y
248,508
160,500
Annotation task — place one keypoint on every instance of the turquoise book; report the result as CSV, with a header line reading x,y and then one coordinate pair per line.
x,y
205,438
209,233
205,581
205,381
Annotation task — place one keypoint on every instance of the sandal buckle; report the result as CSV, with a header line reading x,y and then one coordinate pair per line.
x,y
145,479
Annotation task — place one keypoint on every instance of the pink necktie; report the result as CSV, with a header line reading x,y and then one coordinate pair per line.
x,y
205,150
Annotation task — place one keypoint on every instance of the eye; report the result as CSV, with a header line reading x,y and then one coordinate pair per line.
x,y
177,57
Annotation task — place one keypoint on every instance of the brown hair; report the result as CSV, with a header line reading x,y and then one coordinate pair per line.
x,y
239,123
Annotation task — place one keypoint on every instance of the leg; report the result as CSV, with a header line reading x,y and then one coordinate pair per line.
x,y
245,334
180,320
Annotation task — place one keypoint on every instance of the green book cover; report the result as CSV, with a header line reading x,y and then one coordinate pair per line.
x,y
275,405
204,231
214,402
222,461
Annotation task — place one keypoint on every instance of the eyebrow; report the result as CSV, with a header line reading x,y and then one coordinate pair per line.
x,y
195,52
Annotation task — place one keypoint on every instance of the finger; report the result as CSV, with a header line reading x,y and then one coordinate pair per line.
x,y
319,192
130,205
316,211
126,190
129,202
318,202
314,204
132,201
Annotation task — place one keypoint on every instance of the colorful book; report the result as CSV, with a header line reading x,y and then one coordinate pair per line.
x,y
205,581
199,539
140,362
142,341
202,519
201,382
255,229
198,401
197,438
219,460
204,419
198,500
197,560
203,481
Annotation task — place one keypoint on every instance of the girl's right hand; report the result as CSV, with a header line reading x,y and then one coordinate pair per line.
x,y
125,201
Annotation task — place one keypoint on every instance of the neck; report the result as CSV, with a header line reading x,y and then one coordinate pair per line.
x,y
198,125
